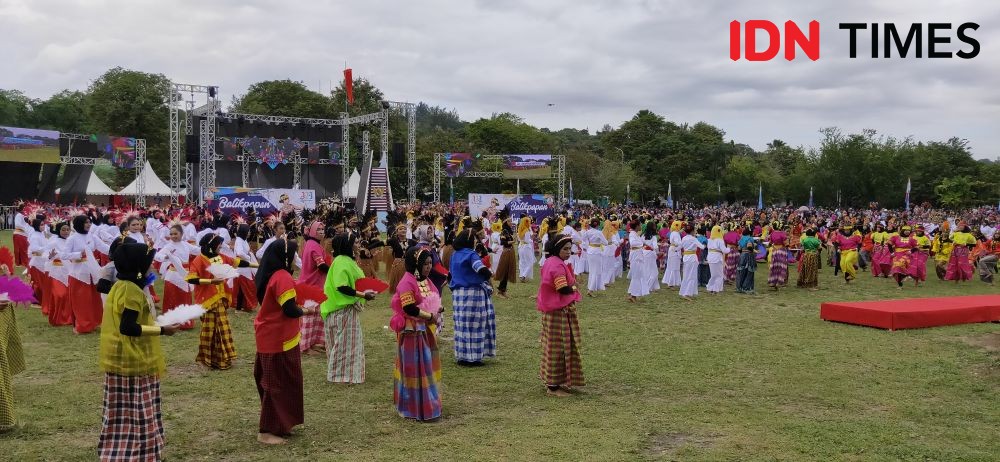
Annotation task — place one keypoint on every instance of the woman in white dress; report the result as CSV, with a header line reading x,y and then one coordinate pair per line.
x,y
652,270
717,251
525,249
672,274
689,248
638,286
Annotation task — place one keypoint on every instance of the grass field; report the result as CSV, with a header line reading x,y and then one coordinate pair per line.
x,y
725,377
49,155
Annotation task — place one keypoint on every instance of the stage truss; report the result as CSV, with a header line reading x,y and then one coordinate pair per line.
x,y
559,174
211,111
140,162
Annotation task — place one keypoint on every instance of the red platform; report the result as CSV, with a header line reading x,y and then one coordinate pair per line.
x,y
915,312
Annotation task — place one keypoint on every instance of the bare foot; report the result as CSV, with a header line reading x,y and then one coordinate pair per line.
x,y
267,438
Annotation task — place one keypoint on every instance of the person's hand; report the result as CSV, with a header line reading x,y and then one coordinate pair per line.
x,y
169,330
369,295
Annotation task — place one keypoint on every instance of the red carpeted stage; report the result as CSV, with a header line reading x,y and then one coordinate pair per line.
x,y
914,312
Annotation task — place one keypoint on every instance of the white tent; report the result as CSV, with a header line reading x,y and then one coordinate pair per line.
x,y
96,187
350,190
152,185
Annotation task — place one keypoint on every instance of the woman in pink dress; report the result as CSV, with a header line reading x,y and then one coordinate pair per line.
x,y
558,295
315,263
902,246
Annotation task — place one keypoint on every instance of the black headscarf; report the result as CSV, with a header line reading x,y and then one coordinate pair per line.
x,y
243,231
465,239
279,256
414,259
556,243
210,244
132,261
79,222
343,244
59,227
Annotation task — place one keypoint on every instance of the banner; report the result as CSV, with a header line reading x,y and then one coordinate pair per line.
x,y
29,145
457,164
527,166
538,206
117,149
264,201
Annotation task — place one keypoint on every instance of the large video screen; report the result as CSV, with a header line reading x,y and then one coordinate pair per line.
x,y
29,145
527,166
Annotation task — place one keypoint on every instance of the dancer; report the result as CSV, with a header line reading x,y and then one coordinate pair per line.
x,y
672,275
215,347
244,292
959,265
86,303
474,317
778,264
174,257
902,246
132,362
638,285
717,252
506,268
809,268
848,241
558,295
746,268
941,250
920,256
732,240
649,251
11,364
704,272
525,249
277,368
396,245
594,241
690,247
345,348
987,264
881,256
315,264
416,306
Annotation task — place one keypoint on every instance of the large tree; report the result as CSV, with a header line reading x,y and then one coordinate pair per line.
x,y
64,111
284,98
15,108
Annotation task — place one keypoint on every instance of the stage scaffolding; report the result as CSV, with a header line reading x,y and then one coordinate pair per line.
x,y
140,162
559,174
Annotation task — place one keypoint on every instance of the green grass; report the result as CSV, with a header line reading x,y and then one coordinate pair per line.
x,y
726,377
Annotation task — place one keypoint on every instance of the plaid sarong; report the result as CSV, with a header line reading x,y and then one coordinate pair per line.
x,y
132,426
345,347
279,385
11,364
215,347
778,274
313,332
561,364
417,375
475,323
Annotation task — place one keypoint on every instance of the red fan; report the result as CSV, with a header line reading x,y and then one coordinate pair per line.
x,y
618,251
6,259
374,284
306,292
440,269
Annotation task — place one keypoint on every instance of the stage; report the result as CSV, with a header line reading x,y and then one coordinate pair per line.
x,y
915,312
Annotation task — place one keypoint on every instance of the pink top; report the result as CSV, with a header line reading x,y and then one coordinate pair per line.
x,y
555,275
778,238
903,243
731,238
312,256
410,291
847,242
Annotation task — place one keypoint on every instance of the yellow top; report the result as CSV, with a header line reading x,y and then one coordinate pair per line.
x,y
960,238
880,237
121,354
942,250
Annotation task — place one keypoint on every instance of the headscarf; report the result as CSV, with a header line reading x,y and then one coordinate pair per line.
x,y
132,261
523,226
554,245
465,239
79,222
243,231
313,229
414,259
279,256
58,228
716,232
343,244
210,244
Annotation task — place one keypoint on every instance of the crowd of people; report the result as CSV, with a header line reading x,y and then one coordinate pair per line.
x,y
93,267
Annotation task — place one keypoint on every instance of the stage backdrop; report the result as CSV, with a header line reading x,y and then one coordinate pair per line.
x,y
527,166
264,201
538,206
29,145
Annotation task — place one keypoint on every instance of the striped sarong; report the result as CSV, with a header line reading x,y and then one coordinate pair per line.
x,y
475,323
561,364
345,348
778,275
11,364
279,386
313,332
417,376
215,345
132,424
732,258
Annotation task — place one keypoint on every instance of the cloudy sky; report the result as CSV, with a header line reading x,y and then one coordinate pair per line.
x,y
598,62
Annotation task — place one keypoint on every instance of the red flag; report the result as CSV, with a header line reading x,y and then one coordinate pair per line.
x,y
349,86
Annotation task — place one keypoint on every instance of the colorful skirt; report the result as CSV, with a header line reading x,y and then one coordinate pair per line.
x,y
86,306
312,331
475,323
11,364
57,298
959,266
215,345
918,265
746,269
417,376
778,274
345,347
561,363
132,425
809,270
732,259
901,262
279,385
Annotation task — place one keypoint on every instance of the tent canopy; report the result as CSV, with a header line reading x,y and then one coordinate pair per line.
x,y
152,184
350,190
96,187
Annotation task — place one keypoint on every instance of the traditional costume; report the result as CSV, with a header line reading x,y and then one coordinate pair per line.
x,y
345,348
174,257
959,265
778,258
215,348
557,298
689,248
472,302
315,264
746,268
717,252
417,373
809,265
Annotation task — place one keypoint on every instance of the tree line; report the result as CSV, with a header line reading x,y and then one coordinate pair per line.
x,y
648,152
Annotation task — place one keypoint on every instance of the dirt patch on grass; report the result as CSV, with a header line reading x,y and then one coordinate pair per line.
x,y
667,445
989,342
